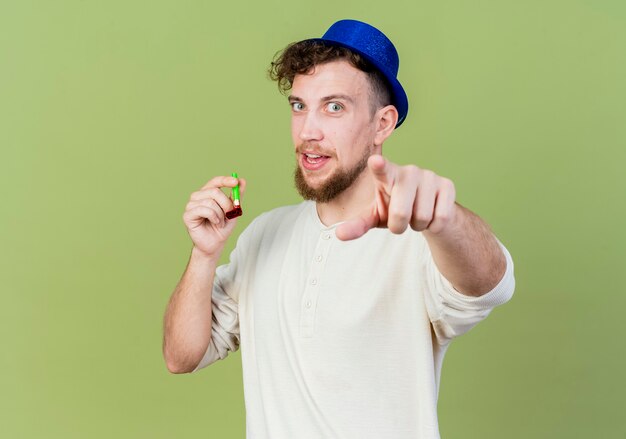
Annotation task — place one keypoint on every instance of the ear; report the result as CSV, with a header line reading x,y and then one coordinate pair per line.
x,y
386,120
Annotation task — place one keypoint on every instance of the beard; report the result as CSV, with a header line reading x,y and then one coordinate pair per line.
x,y
338,182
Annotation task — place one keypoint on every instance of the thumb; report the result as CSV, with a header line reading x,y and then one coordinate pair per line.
x,y
242,187
357,227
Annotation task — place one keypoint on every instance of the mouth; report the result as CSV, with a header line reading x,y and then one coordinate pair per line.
x,y
313,162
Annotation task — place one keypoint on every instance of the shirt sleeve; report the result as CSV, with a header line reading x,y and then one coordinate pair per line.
x,y
452,313
225,325
227,285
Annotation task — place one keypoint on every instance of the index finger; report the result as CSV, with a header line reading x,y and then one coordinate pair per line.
x,y
383,170
220,181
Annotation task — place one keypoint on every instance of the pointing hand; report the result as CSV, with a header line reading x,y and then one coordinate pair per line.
x,y
403,196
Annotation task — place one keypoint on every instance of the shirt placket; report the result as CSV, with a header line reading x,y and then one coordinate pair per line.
x,y
310,297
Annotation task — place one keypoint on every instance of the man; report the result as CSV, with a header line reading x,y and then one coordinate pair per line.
x,y
344,305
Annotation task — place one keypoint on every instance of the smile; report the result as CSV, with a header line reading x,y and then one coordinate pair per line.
x,y
313,162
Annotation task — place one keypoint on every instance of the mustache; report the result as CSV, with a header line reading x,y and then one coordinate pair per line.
x,y
312,148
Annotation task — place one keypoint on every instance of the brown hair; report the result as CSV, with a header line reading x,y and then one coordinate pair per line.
x,y
301,57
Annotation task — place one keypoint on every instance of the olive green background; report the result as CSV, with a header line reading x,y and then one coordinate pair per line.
x,y
112,113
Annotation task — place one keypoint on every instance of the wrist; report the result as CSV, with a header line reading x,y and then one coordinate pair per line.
x,y
202,256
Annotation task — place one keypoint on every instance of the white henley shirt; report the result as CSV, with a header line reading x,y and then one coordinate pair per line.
x,y
338,339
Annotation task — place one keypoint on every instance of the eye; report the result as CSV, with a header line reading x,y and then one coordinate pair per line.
x,y
297,106
334,107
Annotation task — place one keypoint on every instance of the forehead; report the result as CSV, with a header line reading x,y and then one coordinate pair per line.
x,y
335,77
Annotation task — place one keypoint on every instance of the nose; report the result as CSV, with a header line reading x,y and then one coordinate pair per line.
x,y
309,129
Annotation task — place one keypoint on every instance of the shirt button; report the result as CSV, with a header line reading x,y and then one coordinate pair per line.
x,y
319,258
308,304
327,236
313,281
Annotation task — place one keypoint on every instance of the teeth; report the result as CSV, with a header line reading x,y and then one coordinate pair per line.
x,y
313,158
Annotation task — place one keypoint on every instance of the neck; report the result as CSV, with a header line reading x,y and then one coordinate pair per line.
x,y
350,202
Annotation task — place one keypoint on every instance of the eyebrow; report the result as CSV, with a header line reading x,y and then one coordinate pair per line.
x,y
337,96
292,98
